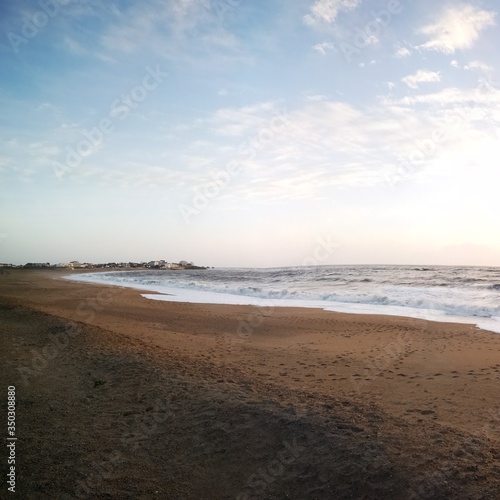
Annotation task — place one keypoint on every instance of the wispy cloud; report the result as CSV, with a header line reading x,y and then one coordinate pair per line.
x,y
483,95
170,30
479,65
326,11
325,144
402,52
238,122
137,176
323,47
458,28
421,76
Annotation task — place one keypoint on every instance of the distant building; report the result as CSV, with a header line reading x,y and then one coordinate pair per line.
x,y
77,265
74,264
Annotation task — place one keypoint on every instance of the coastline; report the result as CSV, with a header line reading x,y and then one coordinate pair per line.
x,y
422,381
172,293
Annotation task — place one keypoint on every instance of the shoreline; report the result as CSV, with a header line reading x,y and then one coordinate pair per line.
x,y
425,394
234,332
246,301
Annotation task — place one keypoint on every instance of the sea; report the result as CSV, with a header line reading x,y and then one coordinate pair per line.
x,y
438,293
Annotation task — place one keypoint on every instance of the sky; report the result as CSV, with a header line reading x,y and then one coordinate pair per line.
x,y
250,133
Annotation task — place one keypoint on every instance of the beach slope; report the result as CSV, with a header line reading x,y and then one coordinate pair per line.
x,y
122,397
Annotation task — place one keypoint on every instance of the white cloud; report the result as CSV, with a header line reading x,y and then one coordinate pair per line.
x,y
238,122
326,11
321,144
82,48
421,76
479,66
458,27
315,97
454,63
484,95
324,143
169,29
323,47
476,111
43,151
44,105
402,52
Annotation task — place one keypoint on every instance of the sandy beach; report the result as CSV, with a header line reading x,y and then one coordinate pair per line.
x,y
123,397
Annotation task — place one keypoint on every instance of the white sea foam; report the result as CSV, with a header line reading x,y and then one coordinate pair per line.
x,y
201,297
464,295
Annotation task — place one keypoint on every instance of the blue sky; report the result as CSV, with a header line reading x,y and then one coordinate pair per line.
x,y
250,133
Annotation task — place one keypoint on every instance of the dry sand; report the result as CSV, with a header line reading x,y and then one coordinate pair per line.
x,y
123,397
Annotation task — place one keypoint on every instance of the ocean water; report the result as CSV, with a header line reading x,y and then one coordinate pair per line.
x,y
440,293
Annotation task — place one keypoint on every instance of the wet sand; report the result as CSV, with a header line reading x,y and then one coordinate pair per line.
x,y
123,397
